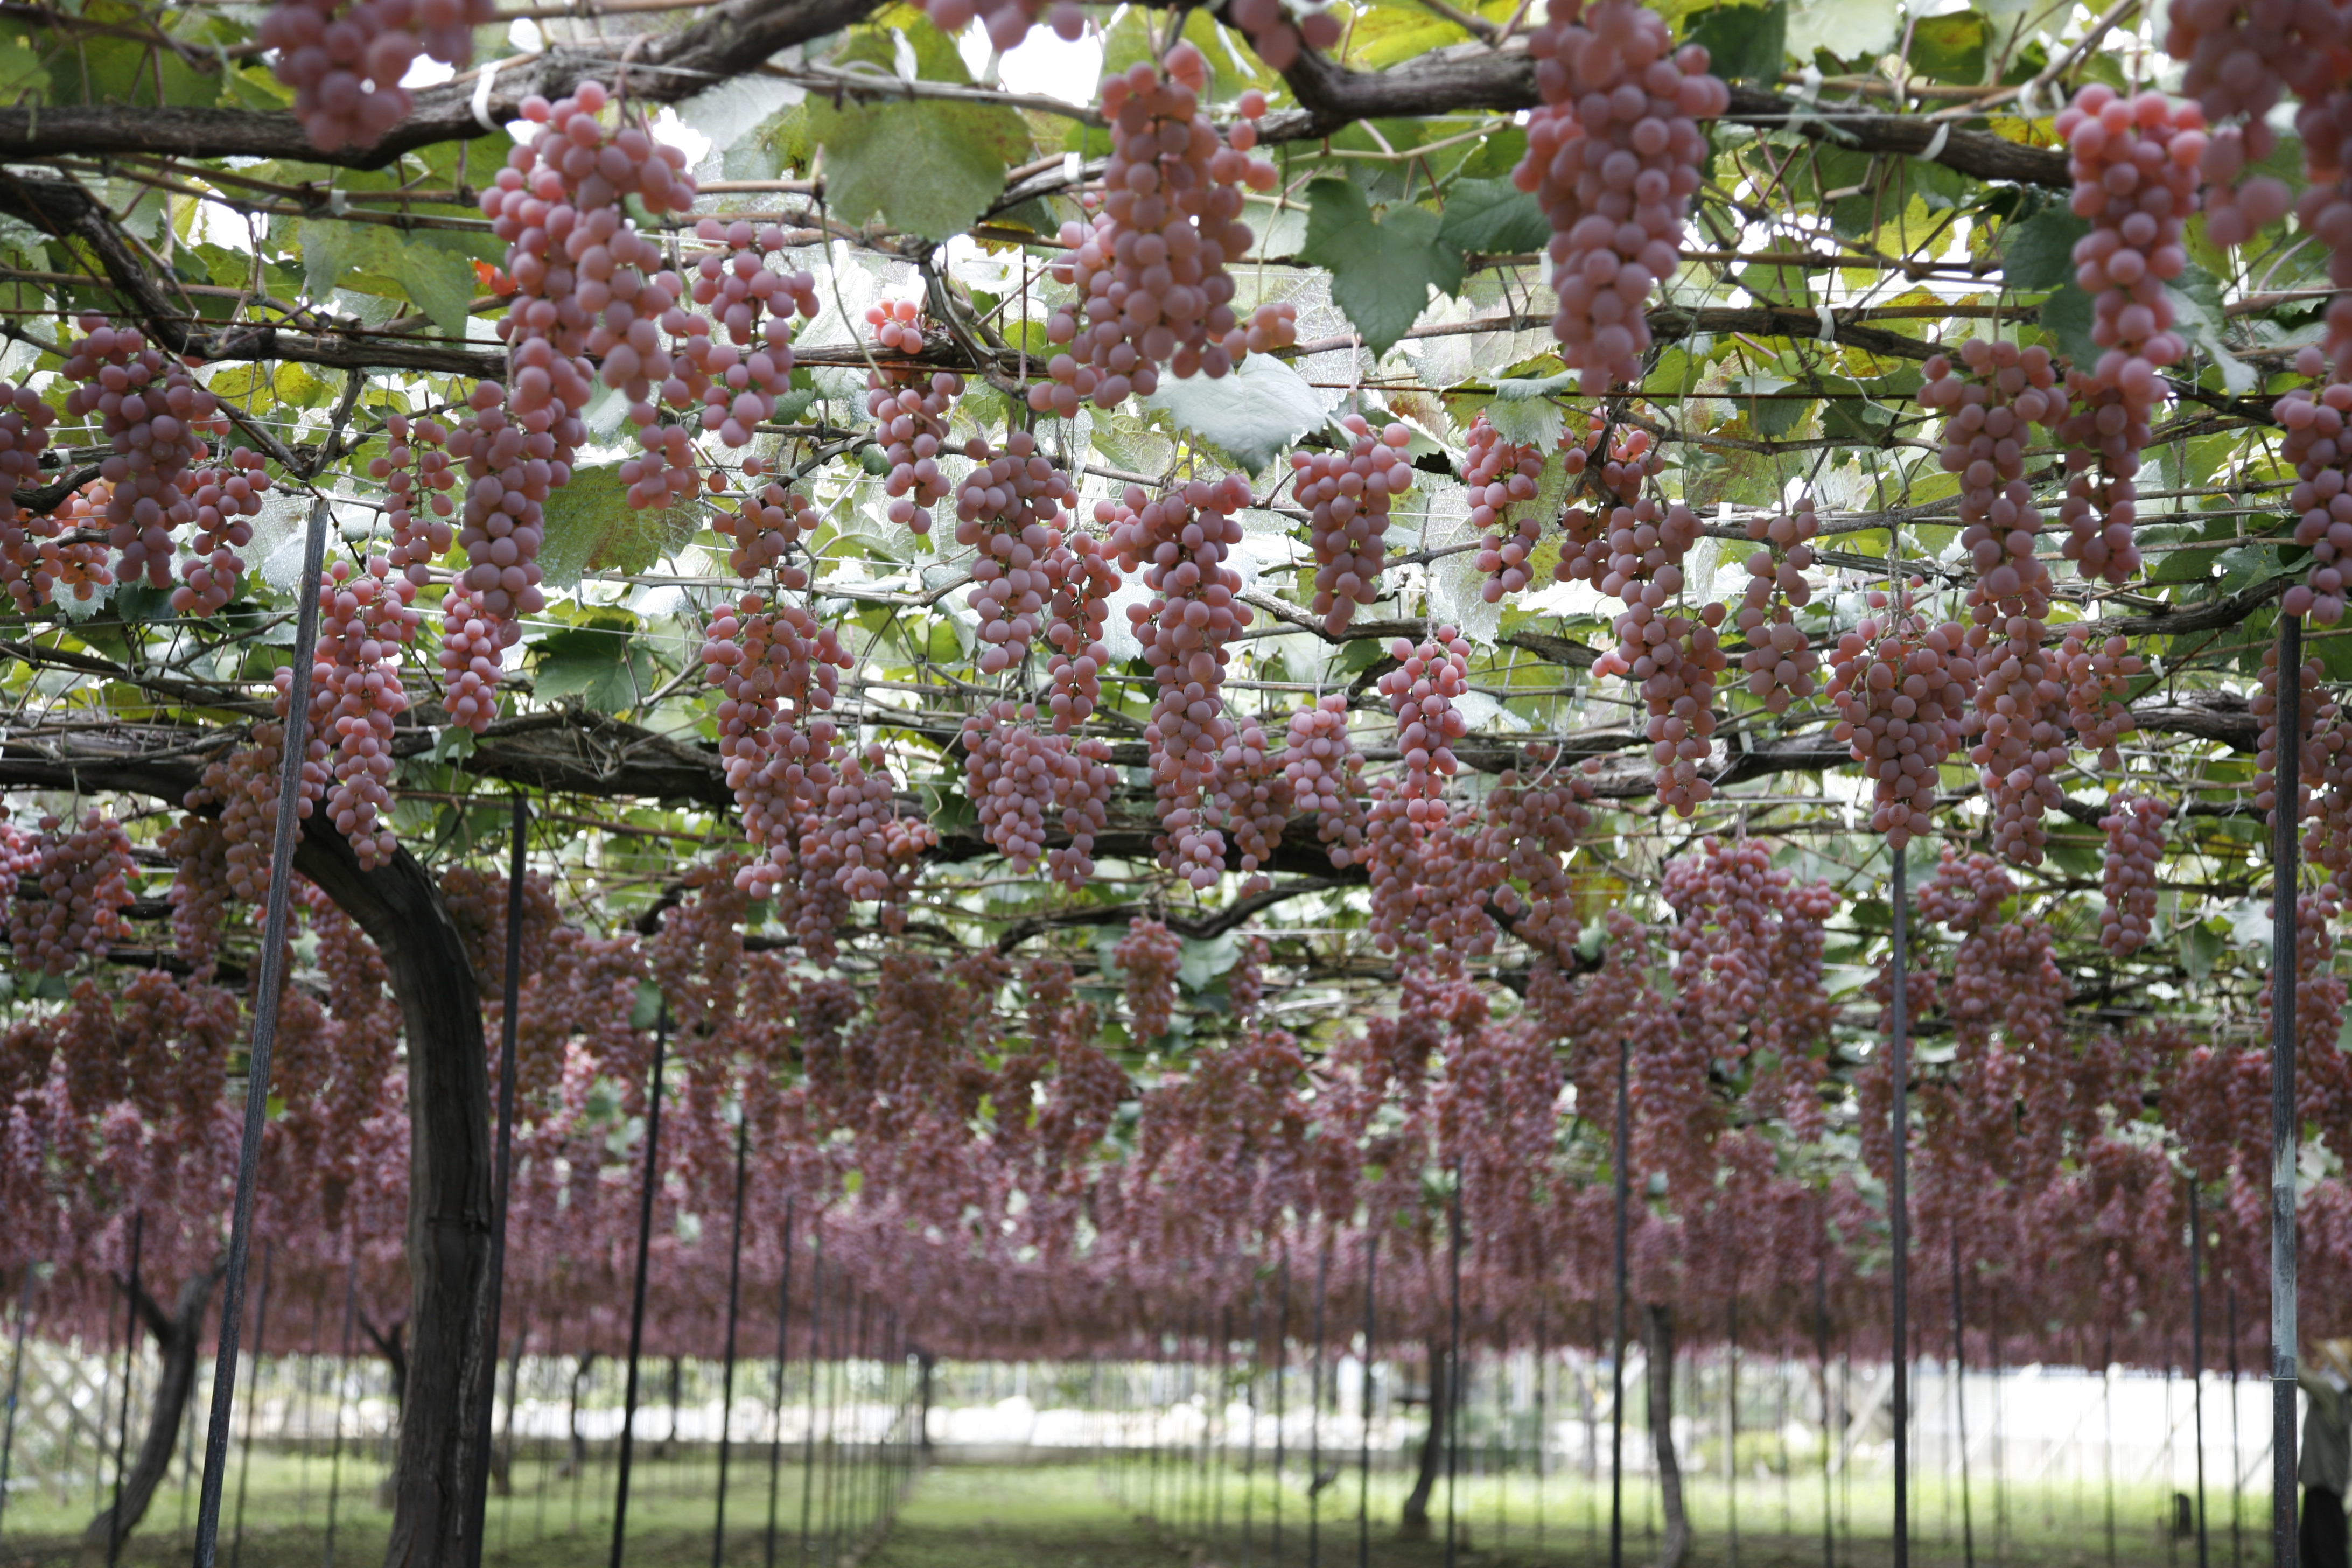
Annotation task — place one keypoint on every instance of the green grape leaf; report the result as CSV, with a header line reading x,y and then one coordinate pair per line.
x,y
1250,415
1743,43
2039,252
1494,217
591,527
1381,272
607,667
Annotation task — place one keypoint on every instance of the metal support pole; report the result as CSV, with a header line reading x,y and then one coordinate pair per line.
x,y
2285,843
1624,1183
503,1174
1364,1450
130,1367
637,1299
1452,1416
2197,1352
271,983
1898,1206
776,1401
727,1379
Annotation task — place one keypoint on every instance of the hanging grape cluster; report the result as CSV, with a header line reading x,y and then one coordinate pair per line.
x,y
417,478
1614,155
83,876
1150,956
2099,672
364,623
2135,162
1020,779
1501,474
1779,661
1077,615
1149,270
345,63
909,409
1348,493
1011,507
1325,776
2320,449
1180,542
1902,689
778,668
2134,828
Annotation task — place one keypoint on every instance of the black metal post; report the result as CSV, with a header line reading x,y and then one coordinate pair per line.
x,y
1281,1405
1960,1405
15,1385
1898,1204
245,1468
342,1388
2285,844
727,1379
1453,1364
1314,1403
651,1184
1623,1181
502,1171
776,1401
815,1344
2197,1353
271,983
1364,1449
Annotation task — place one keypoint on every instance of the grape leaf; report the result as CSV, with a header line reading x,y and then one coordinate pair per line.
x,y
2039,252
1250,414
2067,316
928,166
607,667
591,527
1494,217
1381,271
1743,43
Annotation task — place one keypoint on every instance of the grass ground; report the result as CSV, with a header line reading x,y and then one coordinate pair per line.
x,y
1086,1517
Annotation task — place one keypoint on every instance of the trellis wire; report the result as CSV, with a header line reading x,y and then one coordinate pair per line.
x,y
271,982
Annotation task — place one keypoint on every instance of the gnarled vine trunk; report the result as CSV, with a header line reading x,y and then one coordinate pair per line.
x,y
1658,1349
176,1334
452,1366
1414,1523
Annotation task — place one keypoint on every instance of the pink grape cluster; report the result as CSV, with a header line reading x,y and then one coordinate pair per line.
x,y
1150,956
33,560
2240,55
417,478
1017,777
2318,445
1779,662
1276,37
1501,474
1325,776
1420,692
2098,684
1672,660
2020,731
1011,507
1007,21
364,622
1585,554
898,326
1902,690
1149,270
1532,824
1077,615
2325,209
1347,494
1641,543
511,468
1431,881
84,877
200,889
2134,828
739,380
155,419
763,529
1180,542
778,669
1252,795
244,786
1990,401
2134,162
910,412
346,68
223,499
1614,155
854,847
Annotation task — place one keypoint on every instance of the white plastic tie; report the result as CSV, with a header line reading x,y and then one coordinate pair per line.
x,y
1074,169
1935,149
1828,323
482,96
